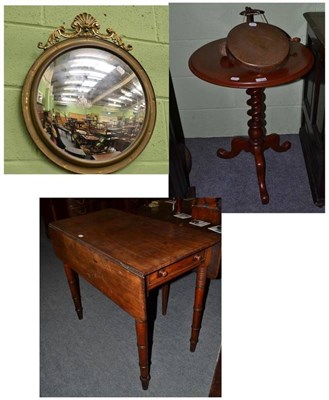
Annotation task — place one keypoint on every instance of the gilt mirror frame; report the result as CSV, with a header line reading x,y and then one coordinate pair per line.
x,y
86,35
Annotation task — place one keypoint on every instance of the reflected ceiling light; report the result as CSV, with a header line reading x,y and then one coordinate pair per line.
x,y
89,83
126,93
125,98
115,100
84,90
85,72
114,105
93,54
94,75
68,99
137,92
73,82
69,88
138,86
96,65
79,89
69,94
120,70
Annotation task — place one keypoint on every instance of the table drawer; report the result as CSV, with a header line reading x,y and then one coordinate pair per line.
x,y
167,273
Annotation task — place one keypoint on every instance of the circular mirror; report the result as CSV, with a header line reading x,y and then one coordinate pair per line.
x,y
89,105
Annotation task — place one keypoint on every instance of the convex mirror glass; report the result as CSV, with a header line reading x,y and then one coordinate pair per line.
x,y
88,104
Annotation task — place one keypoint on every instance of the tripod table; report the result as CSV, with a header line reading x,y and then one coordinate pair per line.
x,y
208,64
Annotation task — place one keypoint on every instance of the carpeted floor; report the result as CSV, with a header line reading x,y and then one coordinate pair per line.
x,y
97,357
235,180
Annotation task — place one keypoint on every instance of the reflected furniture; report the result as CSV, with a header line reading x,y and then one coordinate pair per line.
x,y
88,81
208,64
127,257
312,132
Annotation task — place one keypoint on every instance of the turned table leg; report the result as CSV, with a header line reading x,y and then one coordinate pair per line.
x,y
165,295
257,142
143,354
256,134
199,300
73,281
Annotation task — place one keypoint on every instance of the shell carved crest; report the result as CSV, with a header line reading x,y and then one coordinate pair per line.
x,y
84,25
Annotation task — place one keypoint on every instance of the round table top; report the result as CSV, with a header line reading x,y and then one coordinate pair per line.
x,y
208,64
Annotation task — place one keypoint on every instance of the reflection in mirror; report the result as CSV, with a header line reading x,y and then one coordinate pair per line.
x,y
91,104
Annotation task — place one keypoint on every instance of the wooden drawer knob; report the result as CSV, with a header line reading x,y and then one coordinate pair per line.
x,y
162,273
197,257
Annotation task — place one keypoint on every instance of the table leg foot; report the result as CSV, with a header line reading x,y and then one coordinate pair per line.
x,y
73,281
260,167
200,290
273,141
143,354
237,145
145,383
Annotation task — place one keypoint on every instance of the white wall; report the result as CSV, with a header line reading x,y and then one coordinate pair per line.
x,y
208,110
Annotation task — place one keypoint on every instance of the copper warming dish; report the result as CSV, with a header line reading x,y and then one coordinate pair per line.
x,y
257,46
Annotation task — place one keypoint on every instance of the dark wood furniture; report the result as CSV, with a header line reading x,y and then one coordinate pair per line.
x,y
127,256
54,209
208,64
216,385
205,209
180,158
312,134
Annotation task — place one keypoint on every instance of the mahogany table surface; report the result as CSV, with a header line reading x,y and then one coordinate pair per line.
x,y
126,255
141,244
208,64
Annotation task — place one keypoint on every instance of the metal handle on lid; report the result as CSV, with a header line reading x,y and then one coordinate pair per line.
x,y
250,12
